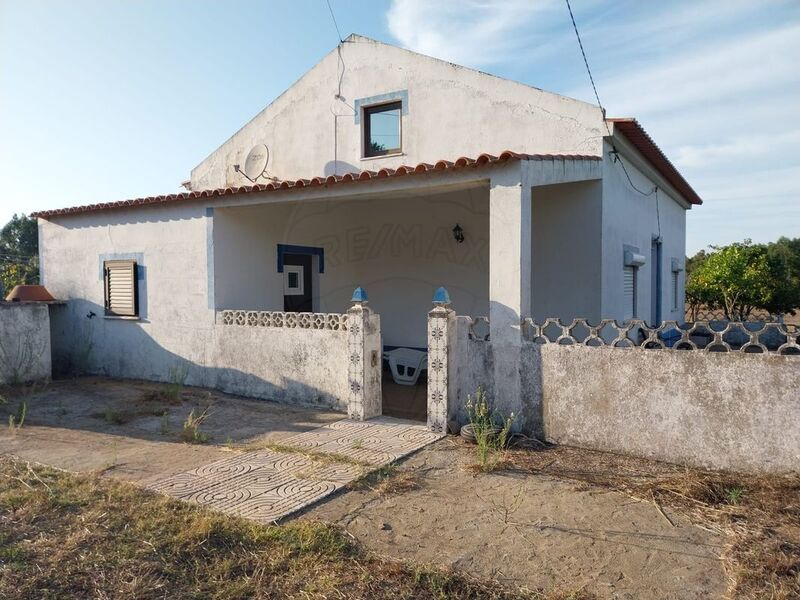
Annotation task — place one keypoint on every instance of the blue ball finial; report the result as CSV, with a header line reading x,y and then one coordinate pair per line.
x,y
359,295
441,297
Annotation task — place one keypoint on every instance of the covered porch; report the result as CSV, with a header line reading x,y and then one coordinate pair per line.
x,y
514,234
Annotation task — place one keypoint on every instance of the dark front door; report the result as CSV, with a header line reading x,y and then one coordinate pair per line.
x,y
655,283
297,283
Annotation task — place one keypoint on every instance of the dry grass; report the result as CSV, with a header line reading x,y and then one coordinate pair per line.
x,y
399,483
125,416
190,432
315,455
162,396
389,480
76,536
759,514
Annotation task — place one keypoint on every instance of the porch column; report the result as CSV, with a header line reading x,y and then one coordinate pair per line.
x,y
441,333
509,283
363,360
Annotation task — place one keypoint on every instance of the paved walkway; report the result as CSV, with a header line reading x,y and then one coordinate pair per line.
x,y
267,485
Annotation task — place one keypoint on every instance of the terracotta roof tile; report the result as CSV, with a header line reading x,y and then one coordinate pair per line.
x,y
442,165
641,140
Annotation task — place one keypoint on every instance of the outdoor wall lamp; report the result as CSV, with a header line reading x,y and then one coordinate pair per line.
x,y
458,233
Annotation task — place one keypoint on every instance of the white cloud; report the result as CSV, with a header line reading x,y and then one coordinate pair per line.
x,y
741,148
715,83
715,73
468,32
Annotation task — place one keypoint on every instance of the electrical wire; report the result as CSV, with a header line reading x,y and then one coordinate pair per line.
x,y
658,215
586,62
340,69
335,24
618,159
615,152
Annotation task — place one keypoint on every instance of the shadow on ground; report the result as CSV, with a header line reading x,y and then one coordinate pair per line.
x,y
133,429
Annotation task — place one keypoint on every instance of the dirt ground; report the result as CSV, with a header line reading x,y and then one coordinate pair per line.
x,y
525,529
531,530
119,427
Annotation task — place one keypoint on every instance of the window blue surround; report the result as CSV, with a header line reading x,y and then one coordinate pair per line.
x,y
141,279
137,256
290,249
401,95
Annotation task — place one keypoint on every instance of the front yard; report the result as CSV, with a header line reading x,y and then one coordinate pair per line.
x,y
83,536
548,523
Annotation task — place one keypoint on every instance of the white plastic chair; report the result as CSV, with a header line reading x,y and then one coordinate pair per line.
x,y
406,364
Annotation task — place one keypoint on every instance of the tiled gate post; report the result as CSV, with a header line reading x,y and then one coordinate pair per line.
x,y
441,330
364,359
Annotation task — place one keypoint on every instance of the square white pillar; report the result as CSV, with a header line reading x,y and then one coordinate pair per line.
x,y
509,284
364,363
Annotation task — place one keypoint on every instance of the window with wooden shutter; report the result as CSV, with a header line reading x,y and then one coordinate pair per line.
x,y
121,291
629,292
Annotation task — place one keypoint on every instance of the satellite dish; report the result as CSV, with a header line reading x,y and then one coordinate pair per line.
x,y
256,162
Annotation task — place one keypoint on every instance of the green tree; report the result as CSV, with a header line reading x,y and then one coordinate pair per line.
x,y
695,296
692,262
784,257
740,277
19,252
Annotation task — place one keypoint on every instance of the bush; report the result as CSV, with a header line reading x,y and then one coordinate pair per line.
x,y
491,430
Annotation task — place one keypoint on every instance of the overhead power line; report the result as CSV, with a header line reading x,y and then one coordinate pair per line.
x,y
617,158
335,24
586,62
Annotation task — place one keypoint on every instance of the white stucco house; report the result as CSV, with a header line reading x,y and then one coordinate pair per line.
x,y
385,169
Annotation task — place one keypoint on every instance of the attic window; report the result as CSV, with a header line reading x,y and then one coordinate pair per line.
x,y
382,129
121,293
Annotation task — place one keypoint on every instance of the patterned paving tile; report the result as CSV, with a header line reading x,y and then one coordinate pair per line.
x,y
376,442
266,485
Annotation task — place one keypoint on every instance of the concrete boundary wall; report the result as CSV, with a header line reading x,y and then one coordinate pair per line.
x,y
736,410
473,366
293,365
24,342
715,410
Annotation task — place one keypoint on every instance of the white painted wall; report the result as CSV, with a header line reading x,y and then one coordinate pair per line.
x,y
177,327
170,244
632,219
451,111
566,251
298,366
399,249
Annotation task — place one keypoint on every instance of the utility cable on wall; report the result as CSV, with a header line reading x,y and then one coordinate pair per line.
x,y
340,70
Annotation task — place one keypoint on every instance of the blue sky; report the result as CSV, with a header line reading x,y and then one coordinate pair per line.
x,y
108,99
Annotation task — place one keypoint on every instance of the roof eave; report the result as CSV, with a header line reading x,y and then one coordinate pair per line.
x,y
632,130
403,170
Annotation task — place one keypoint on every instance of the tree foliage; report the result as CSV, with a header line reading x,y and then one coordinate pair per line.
x,y
744,276
19,252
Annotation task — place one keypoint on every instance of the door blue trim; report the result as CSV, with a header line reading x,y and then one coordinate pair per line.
x,y
657,249
291,249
